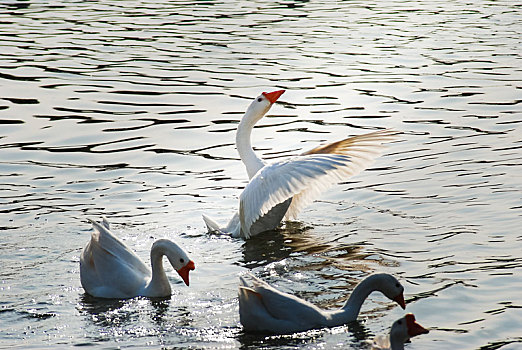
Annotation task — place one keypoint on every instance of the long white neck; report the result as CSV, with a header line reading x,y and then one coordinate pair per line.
x,y
159,284
244,147
351,308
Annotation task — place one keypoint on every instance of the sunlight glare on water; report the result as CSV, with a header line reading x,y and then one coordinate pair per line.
x,y
129,110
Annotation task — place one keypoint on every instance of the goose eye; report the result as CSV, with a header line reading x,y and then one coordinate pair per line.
x,y
259,99
181,260
399,322
398,285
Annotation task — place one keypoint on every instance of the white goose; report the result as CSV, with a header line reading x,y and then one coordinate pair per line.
x,y
281,189
263,308
108,269
401,331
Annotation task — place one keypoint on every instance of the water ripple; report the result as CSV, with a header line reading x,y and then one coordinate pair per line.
x,y
130,110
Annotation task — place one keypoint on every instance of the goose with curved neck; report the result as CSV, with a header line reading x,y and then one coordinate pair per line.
x,y
401,331
281,189
109,269
262,308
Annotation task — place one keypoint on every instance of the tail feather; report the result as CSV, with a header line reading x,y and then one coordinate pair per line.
x,y
233,228
243,282
106,223
212,226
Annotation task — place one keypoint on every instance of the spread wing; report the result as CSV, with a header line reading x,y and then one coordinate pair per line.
x,y
362,150
279,181
305,177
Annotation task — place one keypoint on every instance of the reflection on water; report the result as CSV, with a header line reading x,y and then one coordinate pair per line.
x,y
275,245
129,110
358,332
137,317
114,312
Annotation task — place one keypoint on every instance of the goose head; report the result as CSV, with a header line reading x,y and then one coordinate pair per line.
x,y
261,104
405,328
178,258
391,288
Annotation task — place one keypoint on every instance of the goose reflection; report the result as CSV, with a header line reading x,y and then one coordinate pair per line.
x,y
357,333
120,312
261,251
296,239
161,307
105,312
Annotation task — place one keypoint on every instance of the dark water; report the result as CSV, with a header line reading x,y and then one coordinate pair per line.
x,y
128,109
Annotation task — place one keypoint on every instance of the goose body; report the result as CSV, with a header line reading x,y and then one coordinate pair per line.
x,y
109,269
262,308
280,190
401,331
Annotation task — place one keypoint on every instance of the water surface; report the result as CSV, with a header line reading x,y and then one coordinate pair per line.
x,y
128,110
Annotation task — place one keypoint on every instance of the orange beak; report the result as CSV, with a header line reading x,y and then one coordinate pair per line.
x,y
413,327
399,299
273,96
184,271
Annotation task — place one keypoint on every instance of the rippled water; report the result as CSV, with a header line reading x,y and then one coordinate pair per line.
x,y
128,109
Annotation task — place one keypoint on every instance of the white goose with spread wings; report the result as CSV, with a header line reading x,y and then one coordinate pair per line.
x,y
283,188
262,308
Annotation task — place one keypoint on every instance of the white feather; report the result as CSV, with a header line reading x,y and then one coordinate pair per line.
x,y
109,269
283,188
262,308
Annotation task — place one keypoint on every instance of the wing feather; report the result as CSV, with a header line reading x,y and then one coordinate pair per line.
x,y
283,306
105,241
305,177
362,150
360,142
